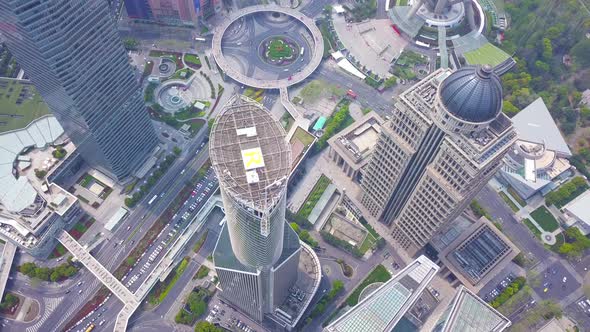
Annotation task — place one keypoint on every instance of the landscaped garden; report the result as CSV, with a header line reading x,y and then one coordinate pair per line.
x,y
53,274
200,242
532,227
508,201
339,120
336,288
545,219
567,192
202,272
80,228
195,306
278,49
314,196
379,274
192,60
161,289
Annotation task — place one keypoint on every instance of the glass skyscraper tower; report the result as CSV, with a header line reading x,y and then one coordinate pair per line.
x,y
73,54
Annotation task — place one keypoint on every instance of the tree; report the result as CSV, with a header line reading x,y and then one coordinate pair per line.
x,y
295,227
177,151
9,301
204,326
580,53
130,44
27,269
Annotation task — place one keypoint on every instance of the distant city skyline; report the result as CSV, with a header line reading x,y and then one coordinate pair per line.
x,y
72,52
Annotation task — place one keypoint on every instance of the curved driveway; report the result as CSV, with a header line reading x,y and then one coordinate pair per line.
x,y
262,83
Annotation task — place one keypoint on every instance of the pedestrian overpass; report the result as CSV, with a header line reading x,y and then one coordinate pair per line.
x,y
131,301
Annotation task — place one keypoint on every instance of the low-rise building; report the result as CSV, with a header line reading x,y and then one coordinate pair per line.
x,y
33,208
537,162
473,251
577,213
351,148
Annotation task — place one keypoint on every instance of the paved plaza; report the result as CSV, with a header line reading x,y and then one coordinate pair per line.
x,y
375,44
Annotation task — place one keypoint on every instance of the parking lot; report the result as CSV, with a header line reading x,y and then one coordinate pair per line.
x,y
224,315
579,310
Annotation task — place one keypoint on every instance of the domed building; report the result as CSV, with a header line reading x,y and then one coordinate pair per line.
x,y
445,140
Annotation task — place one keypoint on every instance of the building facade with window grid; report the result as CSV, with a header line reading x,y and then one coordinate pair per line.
x,y
445,140
72,52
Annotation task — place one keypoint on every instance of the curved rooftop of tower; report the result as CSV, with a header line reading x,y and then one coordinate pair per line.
x,y
249,153
472,94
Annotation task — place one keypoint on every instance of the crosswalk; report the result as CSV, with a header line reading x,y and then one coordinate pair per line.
x,y
49,304
75,307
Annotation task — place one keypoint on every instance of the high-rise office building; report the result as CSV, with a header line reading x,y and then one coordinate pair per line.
x,y
446,138
257,254
73,54
468,312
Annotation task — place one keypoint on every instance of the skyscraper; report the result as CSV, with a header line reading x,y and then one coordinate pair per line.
x,y
72,52
446,138
257,254
468,312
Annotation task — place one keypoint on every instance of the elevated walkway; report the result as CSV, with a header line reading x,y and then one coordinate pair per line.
x,y
99,271
5,263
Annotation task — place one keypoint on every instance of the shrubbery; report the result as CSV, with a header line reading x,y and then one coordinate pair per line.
x,y
508,292
58,273
566,192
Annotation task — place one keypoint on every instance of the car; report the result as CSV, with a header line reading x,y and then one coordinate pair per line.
x,y
545,290
564,279
80,291
102,322
68,291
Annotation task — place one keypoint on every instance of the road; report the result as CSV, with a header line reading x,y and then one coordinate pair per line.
x,y
141,218
146,320
149,260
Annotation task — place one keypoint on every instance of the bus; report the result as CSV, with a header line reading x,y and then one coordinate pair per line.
x,y
302,50
90,328
152,200
199,39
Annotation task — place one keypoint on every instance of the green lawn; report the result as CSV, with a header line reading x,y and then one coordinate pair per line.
x,y
278,49
516,196
161,289
20,103
379,274
509,202
488,54
368,243
532,227
187,72
192,59
402,3
314,196
302,136
545,219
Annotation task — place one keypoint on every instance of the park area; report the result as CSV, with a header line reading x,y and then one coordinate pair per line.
x,y
545,219
20,104
488,54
